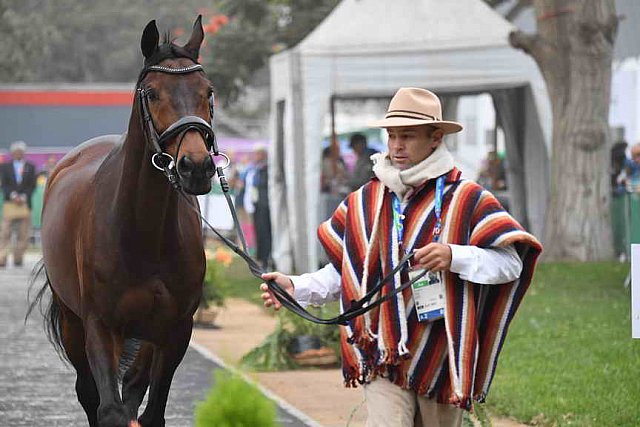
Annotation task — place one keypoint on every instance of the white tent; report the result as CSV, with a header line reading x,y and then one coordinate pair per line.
x,y
370,48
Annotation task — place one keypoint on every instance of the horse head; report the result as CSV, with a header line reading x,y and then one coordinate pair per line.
x,y
176,104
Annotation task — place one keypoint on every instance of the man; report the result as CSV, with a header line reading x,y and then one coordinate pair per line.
x,y
18,181
632,170
363,169
256,203
427,354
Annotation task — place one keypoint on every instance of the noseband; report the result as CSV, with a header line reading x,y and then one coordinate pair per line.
x,y
161,159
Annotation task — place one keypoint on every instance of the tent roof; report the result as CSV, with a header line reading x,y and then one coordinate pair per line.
x,y
382,26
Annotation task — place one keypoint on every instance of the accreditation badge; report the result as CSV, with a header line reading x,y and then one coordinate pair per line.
x,y
428,295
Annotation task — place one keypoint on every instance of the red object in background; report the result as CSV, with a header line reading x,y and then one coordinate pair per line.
x,y
23,97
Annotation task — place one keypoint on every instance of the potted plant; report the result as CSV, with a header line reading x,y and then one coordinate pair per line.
x,y
294,343
215,287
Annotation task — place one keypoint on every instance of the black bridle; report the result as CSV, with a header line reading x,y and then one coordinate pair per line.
x,y
161,159
164,162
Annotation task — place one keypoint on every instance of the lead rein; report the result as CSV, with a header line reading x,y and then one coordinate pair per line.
x,y
355,309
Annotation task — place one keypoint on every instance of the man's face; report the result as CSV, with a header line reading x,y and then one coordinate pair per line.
x,y
409,145
17,154
635,155
259,156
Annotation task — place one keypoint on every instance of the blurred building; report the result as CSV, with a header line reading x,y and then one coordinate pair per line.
x,y
52,119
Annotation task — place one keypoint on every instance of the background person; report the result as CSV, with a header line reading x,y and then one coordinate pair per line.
x,y
420,365
363,169
333,181
631,177
256,203
18,181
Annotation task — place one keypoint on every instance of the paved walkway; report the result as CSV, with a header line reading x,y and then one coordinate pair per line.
x,y
37,388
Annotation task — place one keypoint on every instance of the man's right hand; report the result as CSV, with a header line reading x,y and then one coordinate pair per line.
x,y
282,280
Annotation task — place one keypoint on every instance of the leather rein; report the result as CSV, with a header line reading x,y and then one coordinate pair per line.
x,y
165,162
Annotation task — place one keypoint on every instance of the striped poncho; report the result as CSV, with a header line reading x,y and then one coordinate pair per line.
x,y
452,359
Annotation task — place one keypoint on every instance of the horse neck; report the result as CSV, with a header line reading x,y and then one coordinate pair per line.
x,y
144,198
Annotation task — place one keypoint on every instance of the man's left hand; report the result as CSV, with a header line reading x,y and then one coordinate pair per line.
x,y
432,257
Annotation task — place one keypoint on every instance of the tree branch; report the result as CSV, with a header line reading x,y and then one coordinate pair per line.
x,y
610,29
529,43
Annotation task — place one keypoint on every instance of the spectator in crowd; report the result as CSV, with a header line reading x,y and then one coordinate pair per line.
x,y
48,166
631,176
421,355
618,161
256,203
333,176
363,169
492,173
18,178
333,181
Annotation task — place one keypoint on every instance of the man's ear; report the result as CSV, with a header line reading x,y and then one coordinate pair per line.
x,y
436,138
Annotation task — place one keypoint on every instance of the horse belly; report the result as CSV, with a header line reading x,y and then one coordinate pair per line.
x,y
68,205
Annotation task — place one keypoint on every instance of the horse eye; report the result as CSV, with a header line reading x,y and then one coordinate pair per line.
x,y
152,94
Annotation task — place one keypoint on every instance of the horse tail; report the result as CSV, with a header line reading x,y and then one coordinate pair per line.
x,y
52,313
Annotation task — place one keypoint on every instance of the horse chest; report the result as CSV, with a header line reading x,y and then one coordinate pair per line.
x,y
145,306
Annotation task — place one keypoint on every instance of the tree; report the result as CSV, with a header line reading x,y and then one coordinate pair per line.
x,y
80,40
255,30
574,51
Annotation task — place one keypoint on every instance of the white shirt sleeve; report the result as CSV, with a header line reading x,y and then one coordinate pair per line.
x,y
490,266
317,288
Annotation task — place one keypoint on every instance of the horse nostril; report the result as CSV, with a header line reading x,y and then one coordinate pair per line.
x,y
185,166
209,167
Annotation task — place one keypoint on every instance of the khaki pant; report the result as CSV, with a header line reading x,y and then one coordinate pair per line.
x,y
390,406
18,217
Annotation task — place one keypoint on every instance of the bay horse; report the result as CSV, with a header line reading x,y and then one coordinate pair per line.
x,y
122,249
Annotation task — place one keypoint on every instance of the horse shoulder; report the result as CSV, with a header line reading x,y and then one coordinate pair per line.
x,y
68,203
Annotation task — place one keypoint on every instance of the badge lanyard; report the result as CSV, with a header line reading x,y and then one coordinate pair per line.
x,y
398,216
428,294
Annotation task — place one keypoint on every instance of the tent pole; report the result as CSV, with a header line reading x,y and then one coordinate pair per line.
x,y
335,149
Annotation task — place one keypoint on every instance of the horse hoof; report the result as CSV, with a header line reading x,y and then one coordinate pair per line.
x,y
134,423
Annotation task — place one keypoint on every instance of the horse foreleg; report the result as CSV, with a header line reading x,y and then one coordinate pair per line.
x,y
73,343
166,359
136,379
100,349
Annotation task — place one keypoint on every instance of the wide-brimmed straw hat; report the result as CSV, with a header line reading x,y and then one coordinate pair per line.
x,y
412,106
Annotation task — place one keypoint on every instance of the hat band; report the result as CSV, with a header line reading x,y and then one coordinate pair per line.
x,y
409,115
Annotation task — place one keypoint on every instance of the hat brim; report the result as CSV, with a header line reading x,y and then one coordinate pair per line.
x,y
445,126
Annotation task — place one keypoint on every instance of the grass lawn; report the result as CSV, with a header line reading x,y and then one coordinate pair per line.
x,y
569,358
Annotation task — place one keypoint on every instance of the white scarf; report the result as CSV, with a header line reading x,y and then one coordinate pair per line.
x,y
401,181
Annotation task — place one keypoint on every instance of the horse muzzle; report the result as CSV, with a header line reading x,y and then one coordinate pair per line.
x,y
195,176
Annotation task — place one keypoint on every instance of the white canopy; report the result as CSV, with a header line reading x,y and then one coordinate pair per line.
x,y
370,48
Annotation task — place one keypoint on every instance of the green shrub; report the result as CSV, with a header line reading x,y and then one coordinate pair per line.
x,y
232,402
216,285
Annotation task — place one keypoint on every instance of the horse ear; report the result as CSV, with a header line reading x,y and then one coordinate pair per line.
x,y
150,38
197,35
